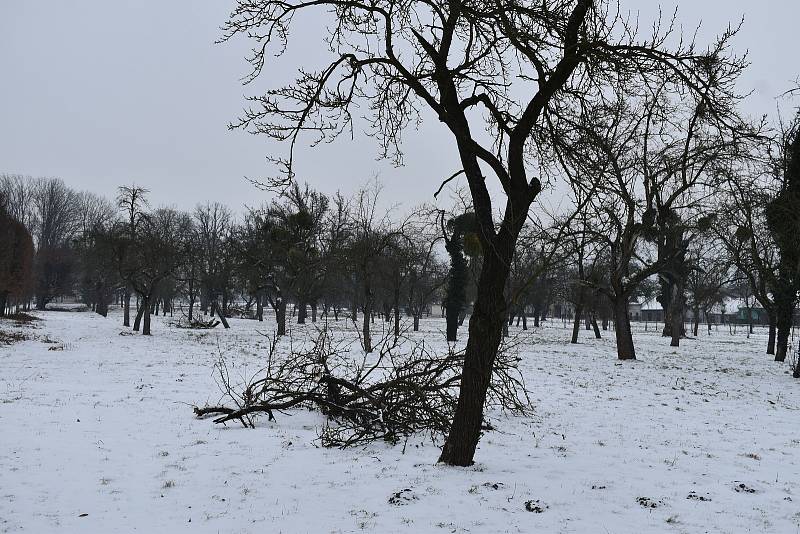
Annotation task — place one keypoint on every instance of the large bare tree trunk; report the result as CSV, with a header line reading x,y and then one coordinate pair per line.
x,y
783,309
145,308
676,330
622,328
137,323
452,323
485,332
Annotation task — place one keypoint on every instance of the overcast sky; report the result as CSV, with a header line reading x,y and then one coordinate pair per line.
x,y
104,93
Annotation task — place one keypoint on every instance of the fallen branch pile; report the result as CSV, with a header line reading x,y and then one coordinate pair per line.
x,y
198,324
400,389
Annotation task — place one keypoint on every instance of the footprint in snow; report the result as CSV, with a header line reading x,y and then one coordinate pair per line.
x,y
403,497
647,502
741,487
536,506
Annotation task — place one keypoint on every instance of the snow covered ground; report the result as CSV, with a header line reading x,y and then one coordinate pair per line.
x,y
98,436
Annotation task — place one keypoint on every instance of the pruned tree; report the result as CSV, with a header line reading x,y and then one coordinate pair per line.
x,y
132,201
783,219
157,254
512,69
656,159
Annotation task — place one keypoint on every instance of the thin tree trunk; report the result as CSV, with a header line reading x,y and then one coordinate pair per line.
x,y
596,328
367,339
220,314
396,312
191,301
576,323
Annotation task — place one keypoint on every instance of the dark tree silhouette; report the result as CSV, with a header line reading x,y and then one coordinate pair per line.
x,y
524,66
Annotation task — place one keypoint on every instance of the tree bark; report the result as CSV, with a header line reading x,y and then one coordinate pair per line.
x,y
146,312
218,309
576,323
783,308
485,331
596,328
622,328
396,312
191,301
280,315
367,339
452,323
676,313
771,339
138,321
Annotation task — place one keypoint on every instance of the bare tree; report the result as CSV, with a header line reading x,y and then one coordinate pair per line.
x,y
132,200
57,223
516,63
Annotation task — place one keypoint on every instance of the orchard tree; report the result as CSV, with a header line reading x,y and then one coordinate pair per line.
x,y
16,259
514,70
57,222
783,220
131,201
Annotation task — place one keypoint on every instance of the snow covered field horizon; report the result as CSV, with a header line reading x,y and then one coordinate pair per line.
x,y
99,436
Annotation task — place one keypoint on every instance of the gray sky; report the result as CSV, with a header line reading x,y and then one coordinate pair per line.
x,y
104,93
